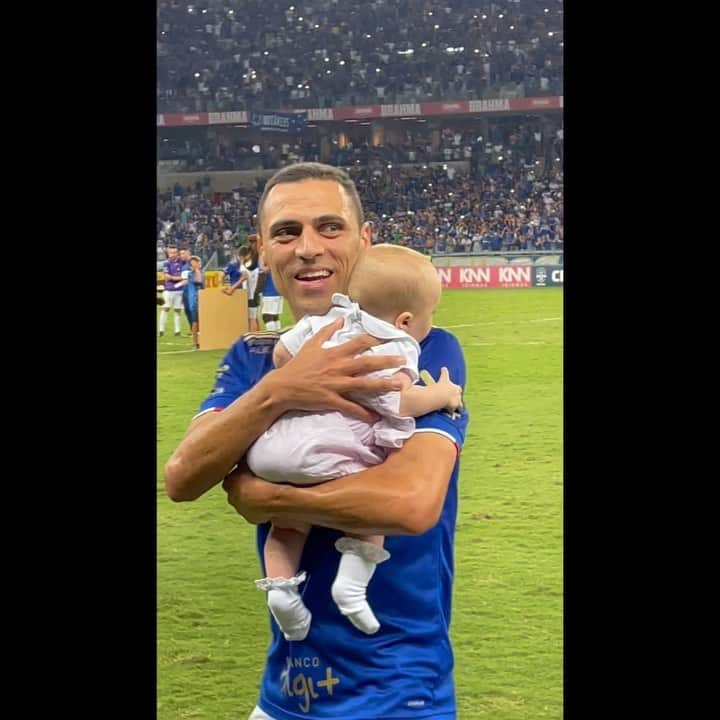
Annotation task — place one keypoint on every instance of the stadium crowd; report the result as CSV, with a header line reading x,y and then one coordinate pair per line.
x,y
432,208
218,55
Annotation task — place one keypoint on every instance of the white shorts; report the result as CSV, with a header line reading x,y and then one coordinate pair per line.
x,y
258,714
173,299
272,305
252,283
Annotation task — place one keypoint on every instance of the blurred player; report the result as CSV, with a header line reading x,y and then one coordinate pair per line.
x,y
234,274
272,303
185,257
193,281
172,297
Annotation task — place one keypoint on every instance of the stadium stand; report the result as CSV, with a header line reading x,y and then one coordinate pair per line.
x,y
460,151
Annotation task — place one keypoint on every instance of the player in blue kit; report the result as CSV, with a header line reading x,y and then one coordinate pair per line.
x,y
185,257
311,233
193,281
235,273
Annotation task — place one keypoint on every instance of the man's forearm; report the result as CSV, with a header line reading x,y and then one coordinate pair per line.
x,y
216,441
402,496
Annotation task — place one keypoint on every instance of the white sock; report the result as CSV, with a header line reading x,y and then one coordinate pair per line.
x,y
163,320
286,605
176,322
350,588
272,325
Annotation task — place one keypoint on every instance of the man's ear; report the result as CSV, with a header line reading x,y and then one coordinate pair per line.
x,y
402,321
366,234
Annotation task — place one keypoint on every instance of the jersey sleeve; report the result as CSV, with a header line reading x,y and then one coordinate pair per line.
x,y
238,371
444,350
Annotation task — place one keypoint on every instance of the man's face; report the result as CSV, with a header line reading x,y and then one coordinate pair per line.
x,y
172,253
310,240
184,255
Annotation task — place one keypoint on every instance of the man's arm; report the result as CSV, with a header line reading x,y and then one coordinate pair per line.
x,y
315,379
402,496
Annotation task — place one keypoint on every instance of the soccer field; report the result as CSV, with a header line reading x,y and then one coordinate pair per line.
x,y
213,627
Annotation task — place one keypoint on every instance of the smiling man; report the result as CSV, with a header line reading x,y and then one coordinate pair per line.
x,y
312,231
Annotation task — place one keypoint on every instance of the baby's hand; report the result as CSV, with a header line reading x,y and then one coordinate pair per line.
x,y
450,390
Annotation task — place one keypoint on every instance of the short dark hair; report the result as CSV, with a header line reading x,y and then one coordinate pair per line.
x,y
312,171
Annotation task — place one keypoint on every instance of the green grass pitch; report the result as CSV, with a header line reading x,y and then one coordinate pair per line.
x,y
213,628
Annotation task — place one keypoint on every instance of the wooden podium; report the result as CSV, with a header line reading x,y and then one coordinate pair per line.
x,y
222,318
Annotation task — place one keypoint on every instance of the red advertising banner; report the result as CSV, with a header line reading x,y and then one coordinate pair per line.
x,y
363,112
180,119
487,276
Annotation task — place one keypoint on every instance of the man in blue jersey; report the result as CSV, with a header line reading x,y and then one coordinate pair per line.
x,y
235,273
172,296
193,281
185,257
311,233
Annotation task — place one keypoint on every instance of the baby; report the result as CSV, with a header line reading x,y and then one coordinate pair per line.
x,y
392,294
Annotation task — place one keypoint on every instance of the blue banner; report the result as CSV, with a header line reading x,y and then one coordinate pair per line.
x,y
293,123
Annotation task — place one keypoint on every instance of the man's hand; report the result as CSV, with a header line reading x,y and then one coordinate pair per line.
x,y
228,290
320,378
248,494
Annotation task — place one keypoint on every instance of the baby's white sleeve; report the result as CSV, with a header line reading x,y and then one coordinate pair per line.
x,y
407,350
294,338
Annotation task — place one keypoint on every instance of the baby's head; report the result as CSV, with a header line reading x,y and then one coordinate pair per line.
x,y
397,285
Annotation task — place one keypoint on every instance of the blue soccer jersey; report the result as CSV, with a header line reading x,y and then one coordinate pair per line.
x,y
405,670
193,290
